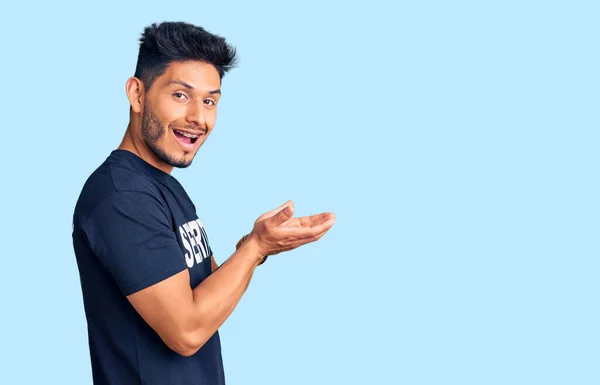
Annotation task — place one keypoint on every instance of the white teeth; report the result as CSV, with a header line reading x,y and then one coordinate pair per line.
x,y
188,135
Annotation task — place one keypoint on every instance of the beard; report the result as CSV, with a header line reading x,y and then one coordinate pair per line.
x,y
152,132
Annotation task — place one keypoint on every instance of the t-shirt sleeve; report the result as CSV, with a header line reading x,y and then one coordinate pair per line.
x,y
131,234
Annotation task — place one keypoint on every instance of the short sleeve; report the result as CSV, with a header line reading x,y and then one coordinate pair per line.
x,y
130,233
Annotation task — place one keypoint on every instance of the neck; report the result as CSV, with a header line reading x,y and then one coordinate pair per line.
x,y
136,146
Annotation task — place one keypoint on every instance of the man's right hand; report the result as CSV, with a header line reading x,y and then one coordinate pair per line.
x,y
278,231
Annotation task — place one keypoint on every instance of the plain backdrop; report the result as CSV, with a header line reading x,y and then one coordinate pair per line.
x,y
457,143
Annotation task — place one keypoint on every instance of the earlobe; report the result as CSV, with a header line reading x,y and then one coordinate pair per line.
x,y
135,93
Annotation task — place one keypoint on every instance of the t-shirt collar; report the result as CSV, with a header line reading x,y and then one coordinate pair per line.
x,y
144,166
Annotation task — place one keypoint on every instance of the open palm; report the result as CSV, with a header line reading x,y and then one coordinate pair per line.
x,y
283,232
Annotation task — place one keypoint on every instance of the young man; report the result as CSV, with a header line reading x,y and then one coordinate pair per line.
x,y
153,295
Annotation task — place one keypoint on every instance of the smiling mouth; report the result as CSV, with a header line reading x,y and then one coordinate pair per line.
x,y
186,138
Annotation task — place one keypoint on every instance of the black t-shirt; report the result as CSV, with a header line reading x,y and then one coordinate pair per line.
x,y
134,226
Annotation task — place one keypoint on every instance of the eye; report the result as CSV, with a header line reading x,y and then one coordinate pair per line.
x,y
209,102
180,96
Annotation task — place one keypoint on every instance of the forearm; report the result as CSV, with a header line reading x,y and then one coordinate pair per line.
x,y
215,266
218,295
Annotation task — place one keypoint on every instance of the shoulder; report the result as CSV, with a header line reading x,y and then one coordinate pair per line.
x,y
114,182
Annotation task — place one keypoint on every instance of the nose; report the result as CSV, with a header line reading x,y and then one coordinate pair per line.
x,y
195,114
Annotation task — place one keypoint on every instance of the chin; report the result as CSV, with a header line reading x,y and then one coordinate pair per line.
x,y
178,159
183,164
181,161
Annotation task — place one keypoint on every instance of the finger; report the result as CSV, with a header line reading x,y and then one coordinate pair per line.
x,y
298,233
304,221
278,209
309,221
317,220
325,229
301,236
304,241
321,218
282,216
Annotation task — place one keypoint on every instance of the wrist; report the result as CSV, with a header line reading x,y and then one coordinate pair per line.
x,y
251,244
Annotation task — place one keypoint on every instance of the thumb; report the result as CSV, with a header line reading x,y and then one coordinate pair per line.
x,y
283,215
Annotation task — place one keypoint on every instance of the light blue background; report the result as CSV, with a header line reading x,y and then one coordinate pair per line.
x,y
457,143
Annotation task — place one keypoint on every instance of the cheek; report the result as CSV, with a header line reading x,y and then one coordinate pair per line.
x,y
168,113
211,118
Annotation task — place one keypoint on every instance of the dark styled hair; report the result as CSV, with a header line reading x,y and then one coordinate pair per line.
x,y
161,44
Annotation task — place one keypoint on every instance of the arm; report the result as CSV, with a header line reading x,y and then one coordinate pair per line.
x,y
185,319
213,264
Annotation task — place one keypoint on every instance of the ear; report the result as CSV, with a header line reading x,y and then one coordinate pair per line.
x,y
135,93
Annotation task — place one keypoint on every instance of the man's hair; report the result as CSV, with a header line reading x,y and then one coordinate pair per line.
x,y
161,44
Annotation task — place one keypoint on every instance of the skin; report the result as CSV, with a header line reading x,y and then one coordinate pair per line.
x,y
185,97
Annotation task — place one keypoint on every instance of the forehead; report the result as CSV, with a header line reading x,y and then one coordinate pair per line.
x,y
199,75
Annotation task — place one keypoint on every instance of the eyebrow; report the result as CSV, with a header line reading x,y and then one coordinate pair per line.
x,y
182,83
